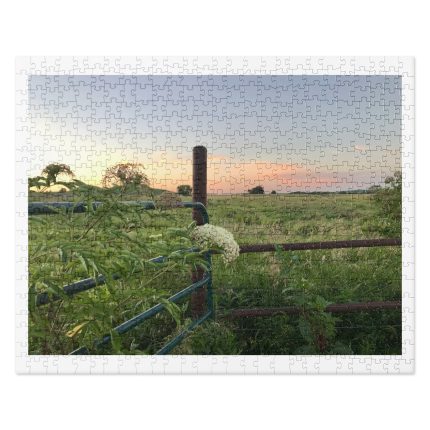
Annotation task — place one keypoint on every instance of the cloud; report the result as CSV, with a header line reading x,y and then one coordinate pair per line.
x,y
360,148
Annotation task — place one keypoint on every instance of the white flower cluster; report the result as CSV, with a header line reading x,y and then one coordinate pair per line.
x,y
210,236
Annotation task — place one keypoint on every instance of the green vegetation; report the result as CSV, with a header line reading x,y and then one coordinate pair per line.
x,y
256,190
389,202
50,175
52,171
184,190
126,177
113,239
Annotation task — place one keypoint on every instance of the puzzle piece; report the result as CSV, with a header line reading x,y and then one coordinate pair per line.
x,y
298,151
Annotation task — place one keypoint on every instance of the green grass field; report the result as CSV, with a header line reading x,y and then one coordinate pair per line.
x,y
304,278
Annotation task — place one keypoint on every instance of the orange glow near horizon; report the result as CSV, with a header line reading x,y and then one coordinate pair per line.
x,y
228,176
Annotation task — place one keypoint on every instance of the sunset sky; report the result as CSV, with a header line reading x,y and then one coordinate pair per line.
x,y
287,133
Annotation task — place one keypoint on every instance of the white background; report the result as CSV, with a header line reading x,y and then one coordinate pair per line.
x,y
212,28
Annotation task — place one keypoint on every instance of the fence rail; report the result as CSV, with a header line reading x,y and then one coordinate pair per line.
x,y
334,244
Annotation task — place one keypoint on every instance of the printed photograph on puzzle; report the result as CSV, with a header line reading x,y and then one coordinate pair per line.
x,y
214,214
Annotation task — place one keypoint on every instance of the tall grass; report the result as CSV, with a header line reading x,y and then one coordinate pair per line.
x,y
314,278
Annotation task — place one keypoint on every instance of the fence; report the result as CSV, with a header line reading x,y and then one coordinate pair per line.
x,y
306,246
201,290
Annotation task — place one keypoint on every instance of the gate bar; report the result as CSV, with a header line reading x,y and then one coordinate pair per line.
x,y
139,319
178,339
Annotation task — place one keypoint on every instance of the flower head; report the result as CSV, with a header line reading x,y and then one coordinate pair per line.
x,y
211,236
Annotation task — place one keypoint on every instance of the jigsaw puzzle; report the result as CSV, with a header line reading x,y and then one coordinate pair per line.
x,y
215,215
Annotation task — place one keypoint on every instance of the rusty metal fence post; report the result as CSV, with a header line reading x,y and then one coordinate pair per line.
x,y
198,298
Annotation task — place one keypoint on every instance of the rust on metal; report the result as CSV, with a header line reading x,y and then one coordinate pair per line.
x,y
302,246
296,310
200,195
199,191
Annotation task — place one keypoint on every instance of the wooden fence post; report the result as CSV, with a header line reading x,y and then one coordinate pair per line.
x,y
199,195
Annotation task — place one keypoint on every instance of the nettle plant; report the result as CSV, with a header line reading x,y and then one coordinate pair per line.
x,y
316,326
113,240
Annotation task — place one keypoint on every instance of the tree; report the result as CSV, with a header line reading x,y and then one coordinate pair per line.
x,y
125,174
37,182
273,192
184,190
53,170
256,190
373,189
395,181
389,203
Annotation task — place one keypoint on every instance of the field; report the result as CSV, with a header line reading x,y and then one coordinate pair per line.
x,y
311,279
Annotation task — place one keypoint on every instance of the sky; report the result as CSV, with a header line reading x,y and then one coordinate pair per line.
x,y
286,133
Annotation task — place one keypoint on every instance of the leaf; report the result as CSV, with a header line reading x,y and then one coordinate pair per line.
x,y
83,262
173,309
76,330
94,266
116,342
32,298
320,303
305,329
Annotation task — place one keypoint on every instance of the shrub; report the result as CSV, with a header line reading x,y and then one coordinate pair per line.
x,y
256,190
184,190
389,202
211,338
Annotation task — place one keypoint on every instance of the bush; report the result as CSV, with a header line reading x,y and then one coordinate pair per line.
x,y
211,338
184,190
256,190
389,202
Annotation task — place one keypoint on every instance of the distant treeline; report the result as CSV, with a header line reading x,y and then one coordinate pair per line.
x,y
334,192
